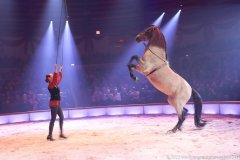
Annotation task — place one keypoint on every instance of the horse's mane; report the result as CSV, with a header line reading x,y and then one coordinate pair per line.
x,y
157,39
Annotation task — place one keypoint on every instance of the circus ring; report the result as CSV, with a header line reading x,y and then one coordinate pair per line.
x,y
123,132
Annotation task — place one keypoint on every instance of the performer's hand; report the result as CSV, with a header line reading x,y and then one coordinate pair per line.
x,y
60,68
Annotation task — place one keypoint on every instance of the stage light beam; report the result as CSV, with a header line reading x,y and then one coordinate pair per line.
x,y
158,21
169,31
74,74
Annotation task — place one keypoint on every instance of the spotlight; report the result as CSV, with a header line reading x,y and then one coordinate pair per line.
x,y
51,22
72,65
169,31
98,32
158,21
66,21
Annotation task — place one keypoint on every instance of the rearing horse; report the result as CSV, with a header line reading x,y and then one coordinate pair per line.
x,y
154,65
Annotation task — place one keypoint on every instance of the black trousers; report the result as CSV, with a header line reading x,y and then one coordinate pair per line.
x,y
56,110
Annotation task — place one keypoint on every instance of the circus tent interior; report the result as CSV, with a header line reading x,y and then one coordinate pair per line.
x,y
108,115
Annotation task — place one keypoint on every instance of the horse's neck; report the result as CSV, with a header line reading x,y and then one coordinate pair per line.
x,y
156,51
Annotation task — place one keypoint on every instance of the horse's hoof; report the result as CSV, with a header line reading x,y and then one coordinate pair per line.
x,y
172,131
185,110
203,121
180,128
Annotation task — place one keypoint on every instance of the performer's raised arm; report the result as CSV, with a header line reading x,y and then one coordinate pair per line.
x,y
53,80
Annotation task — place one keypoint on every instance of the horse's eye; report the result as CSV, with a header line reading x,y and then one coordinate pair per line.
x,y
149,32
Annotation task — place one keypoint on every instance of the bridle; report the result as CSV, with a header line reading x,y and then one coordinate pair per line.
x,y
155,53
148,48
152,28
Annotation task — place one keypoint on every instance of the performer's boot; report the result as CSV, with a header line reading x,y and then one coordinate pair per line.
x,y
61,128
62,135
50,138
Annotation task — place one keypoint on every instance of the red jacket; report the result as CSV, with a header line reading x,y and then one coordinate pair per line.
x,y
57,77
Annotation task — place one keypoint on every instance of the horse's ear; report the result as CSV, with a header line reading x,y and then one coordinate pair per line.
x,y
154,26
158,27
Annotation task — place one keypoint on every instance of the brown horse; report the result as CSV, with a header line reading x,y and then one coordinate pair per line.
x,y
154,65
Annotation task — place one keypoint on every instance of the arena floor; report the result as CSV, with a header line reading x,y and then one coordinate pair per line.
x,y
123,138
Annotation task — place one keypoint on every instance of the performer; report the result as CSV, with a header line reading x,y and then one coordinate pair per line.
x,y
53,81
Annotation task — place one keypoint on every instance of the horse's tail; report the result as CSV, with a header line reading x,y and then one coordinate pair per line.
x,y
197,100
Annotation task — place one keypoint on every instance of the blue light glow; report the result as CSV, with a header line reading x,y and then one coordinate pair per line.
x,y
158,21
74,75
44,57
169,31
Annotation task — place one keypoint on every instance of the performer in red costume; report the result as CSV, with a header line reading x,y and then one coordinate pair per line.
x,y
53,81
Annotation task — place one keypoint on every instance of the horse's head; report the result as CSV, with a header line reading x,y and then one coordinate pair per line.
x,y
153,35
147,34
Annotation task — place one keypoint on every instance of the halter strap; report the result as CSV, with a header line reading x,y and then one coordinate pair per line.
x,y
159,67
155,53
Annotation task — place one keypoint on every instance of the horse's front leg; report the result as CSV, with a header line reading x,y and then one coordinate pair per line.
x,y
132,66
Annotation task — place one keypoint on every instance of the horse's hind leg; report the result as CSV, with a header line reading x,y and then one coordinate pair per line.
x,y
181,119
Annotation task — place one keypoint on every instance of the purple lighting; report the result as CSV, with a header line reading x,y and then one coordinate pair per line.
x,y
96,112
161,109
3,119
156,109
168,109
78,113
233,109
39,116
210,109
18,118
115,111
133,110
